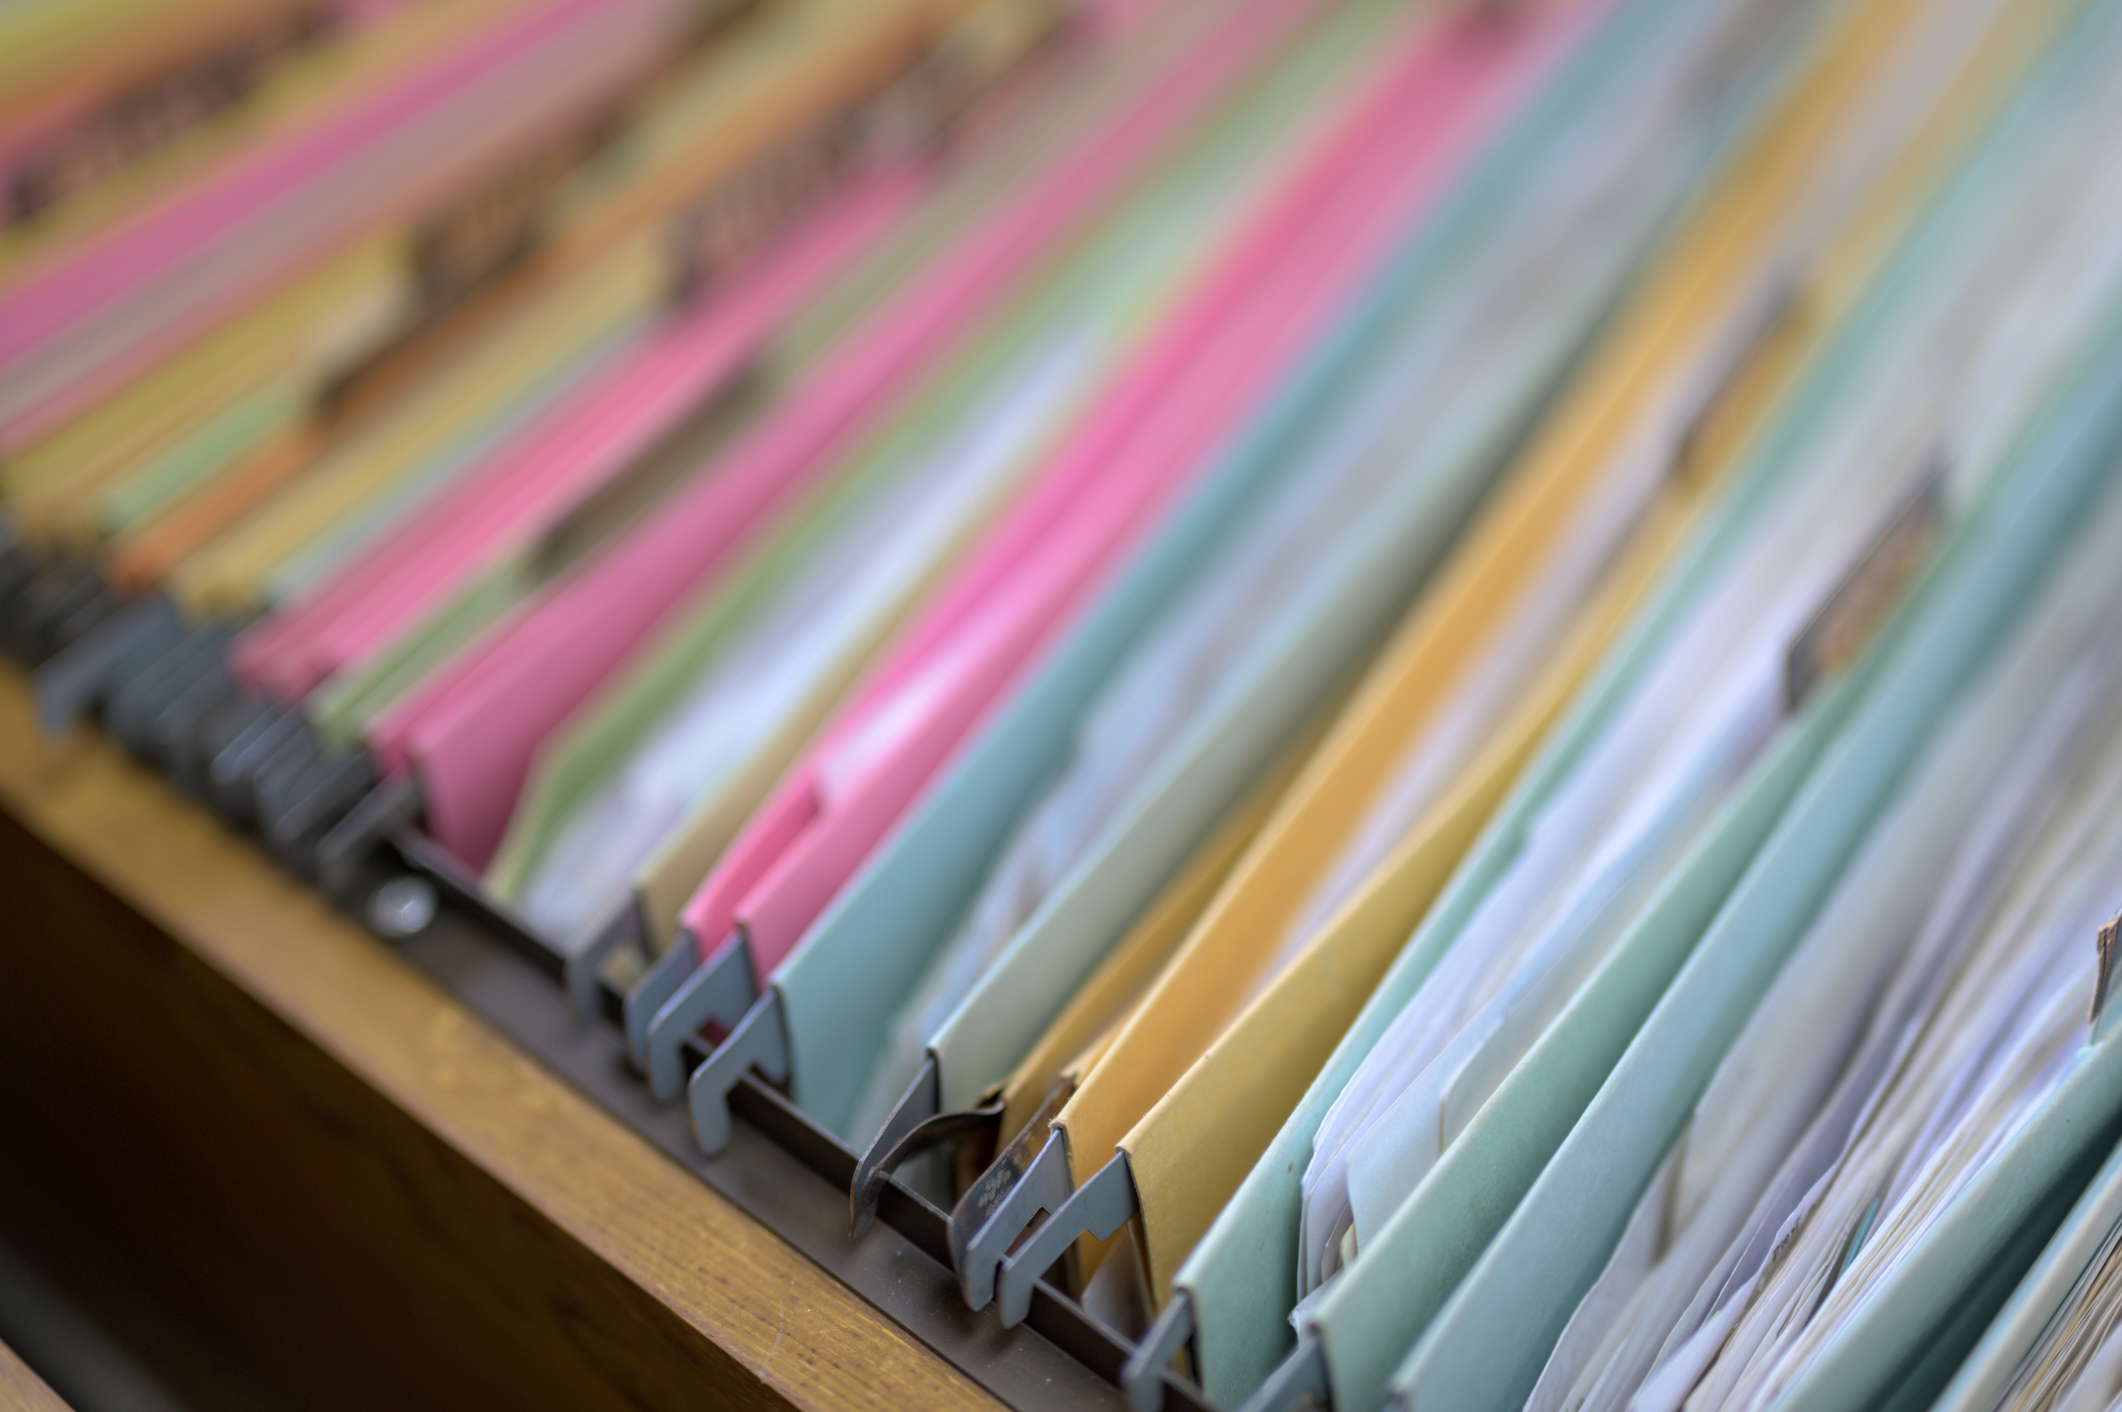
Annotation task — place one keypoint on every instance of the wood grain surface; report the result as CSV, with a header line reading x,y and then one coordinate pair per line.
x,y
331,1158
22,1390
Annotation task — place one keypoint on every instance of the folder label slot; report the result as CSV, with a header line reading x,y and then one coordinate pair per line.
x,y
1850,617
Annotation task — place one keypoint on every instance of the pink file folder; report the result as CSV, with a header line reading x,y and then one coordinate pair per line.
x,y
409,142
33,130
472,730
539,474
1310,254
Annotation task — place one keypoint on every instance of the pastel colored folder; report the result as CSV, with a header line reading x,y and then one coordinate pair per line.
x,y
752,107
185,451
935,857
131,297
387,648
64,59
470,760
332,313
284,654
1013,1012
1963,613
1238,1314
288,542
1783,1152
1069,1046
592,437
534,357
1178,1185
375,41
1188,1153
70,126
1033,372
155,525
1360,1319
1145,244
1220,379
1412,518
1189,1150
